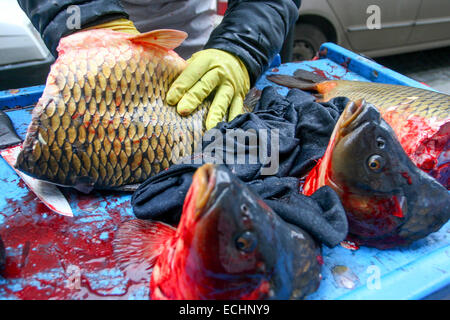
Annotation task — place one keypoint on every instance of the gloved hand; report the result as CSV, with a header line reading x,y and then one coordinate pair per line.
x,y
208,70
120,25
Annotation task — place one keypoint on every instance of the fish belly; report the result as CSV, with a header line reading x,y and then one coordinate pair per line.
x,y
103,121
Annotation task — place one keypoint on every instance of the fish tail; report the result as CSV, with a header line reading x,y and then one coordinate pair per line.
x,y
292,82
140,242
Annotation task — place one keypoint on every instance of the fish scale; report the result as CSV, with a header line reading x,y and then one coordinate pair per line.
x,y
103,121
424,103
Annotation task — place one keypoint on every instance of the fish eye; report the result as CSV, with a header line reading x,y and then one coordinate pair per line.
x,y
244,208
381,143
246,242
375,162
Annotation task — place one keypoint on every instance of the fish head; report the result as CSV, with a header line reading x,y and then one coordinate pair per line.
x,y
366,156
230,237
388,200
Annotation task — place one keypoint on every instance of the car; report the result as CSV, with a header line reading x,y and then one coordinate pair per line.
x,y
405,26
24,58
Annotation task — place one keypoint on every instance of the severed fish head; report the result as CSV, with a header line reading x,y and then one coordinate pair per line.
x,y
388,200
231,245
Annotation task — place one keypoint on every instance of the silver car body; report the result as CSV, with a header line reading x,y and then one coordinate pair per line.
x,y
406,25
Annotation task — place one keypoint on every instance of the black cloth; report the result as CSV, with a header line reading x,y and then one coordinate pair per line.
x,y
304,128
253,30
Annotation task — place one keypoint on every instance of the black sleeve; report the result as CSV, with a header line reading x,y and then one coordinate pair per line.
x,y
50,17
255,31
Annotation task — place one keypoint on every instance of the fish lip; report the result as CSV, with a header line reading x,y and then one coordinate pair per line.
x,y
205,179
355,115
350,115
219,180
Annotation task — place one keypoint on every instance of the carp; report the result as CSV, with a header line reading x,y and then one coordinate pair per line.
x,y
419,117
103,121
229,244
388,200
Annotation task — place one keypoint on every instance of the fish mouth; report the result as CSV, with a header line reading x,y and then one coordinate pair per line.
x,y
355,114
350,116
203,184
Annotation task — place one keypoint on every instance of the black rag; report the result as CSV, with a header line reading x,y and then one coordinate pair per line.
x,y
303,128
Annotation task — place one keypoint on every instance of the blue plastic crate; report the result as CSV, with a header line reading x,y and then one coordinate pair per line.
x,y
407,273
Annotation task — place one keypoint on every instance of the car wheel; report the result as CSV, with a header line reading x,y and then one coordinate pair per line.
x,y
308,39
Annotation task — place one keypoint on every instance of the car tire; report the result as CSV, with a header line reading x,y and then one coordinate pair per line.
x,y
307,41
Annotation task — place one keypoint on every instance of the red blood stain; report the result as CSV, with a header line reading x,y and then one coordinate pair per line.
x,y
319,72
346,63
40,242
372,217
407,177
21,184
349,245
320,260
425,140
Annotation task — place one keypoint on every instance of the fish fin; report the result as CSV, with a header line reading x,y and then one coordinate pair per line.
x,y
309,76
138,243
292,82
319,97
128,187
166,38
251,99
322,90
84,184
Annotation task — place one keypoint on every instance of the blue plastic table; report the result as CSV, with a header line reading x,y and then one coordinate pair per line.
x,y
413,272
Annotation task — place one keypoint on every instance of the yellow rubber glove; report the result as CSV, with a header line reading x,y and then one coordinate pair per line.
x,y
120,25
208,70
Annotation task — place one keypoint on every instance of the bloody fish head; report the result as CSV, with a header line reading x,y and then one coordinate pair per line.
x,y
231,245
367,157
388,200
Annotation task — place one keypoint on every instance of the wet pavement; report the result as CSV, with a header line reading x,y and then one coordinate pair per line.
x,y
431,67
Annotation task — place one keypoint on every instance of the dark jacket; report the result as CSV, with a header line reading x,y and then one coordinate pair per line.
x,y
255,31
252,30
